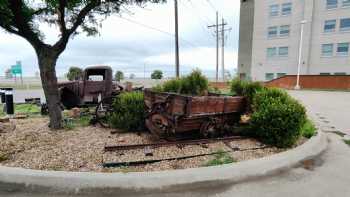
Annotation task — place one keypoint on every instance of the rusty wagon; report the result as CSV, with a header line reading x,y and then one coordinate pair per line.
x,y
170,114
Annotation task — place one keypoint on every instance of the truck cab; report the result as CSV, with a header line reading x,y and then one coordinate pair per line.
x,y
96,85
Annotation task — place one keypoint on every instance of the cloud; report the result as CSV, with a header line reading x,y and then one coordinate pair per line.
x,y
129,44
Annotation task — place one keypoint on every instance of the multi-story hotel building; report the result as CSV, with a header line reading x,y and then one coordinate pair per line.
x,y
277,35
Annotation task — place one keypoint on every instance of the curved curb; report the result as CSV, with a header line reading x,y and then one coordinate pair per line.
x,y
14,180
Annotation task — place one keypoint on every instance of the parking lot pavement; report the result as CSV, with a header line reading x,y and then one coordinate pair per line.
x,y
330,107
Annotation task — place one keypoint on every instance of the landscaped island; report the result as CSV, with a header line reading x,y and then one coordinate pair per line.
x,y
272,122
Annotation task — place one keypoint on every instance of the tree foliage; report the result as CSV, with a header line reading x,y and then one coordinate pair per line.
x,y
119,75
74,73
157,74
71,17
22,17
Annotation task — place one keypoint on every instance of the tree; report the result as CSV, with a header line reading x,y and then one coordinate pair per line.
x,y
23,18
132,76
157,74
119,75
74,73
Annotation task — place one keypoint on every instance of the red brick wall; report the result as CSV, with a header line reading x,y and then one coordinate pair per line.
x,y
219,85
312,82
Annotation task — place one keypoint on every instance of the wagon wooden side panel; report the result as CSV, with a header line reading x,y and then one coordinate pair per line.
x,y
171,114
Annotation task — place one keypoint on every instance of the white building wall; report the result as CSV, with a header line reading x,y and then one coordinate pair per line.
x,y
315,13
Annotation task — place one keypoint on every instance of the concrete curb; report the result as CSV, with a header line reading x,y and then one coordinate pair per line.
x,y
17,180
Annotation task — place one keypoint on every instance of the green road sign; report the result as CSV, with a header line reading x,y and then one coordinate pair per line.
x,y
16,69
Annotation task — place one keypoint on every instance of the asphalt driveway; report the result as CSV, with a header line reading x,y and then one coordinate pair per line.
x,y
333,108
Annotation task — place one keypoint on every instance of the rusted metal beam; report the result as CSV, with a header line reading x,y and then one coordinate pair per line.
x,y
177,143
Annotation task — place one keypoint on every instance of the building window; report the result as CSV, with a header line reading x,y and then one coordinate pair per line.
x,y
325,74
286,9
272,32
343,49
283,51
281,75
329,25
345,24
331,4
271,52
284,30
242,76
341,73
327,50
269,76
274,10
345,3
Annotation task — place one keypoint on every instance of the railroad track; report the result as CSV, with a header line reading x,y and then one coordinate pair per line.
x,y
175,143
147,148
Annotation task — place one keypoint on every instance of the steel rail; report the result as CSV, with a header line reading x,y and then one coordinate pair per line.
x,y
175,143
144,162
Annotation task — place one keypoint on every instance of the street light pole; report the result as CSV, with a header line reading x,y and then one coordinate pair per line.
x,y
177,58
297,86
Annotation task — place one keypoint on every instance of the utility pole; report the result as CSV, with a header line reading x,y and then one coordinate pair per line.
x,y
223,49
217,43
177,58
223,30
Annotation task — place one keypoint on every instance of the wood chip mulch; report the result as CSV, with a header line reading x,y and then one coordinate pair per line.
x,y
32,145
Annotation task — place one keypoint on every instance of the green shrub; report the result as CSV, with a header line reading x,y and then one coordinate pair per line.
x,y
347,142
245,88
309,129
277,118
194,84
128,112
174,86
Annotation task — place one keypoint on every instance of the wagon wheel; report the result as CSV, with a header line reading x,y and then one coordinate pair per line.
x,y
209,129
160,126
103,111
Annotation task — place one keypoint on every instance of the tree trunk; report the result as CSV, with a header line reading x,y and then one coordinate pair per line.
x,y
47,59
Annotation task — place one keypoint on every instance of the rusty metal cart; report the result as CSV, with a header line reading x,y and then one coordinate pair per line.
x,y
169,114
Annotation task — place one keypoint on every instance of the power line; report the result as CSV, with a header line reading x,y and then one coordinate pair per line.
x,y
200,19
159,30
208,20
212,5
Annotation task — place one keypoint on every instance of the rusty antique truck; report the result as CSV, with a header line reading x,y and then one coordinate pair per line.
x,y
95,85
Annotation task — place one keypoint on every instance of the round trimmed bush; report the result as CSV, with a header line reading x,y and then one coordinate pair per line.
x,y
128,112
277,118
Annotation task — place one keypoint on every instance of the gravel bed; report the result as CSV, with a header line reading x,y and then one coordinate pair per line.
x,y
32,145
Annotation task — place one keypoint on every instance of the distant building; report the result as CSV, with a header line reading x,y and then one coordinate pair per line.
x,y
8,74
270,34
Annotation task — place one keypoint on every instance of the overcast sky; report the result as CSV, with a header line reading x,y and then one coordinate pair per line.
x,y
127,46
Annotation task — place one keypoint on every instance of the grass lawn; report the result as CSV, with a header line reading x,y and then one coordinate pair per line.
x,y
1,111
22,87
28,109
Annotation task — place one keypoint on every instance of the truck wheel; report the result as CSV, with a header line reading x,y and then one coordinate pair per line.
x,y
69,99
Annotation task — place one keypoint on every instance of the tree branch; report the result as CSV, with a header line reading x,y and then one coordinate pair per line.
x,y
61,44
24,29
61,15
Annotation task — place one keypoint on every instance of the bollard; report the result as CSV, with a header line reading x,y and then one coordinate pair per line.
x,y
10,108
2,95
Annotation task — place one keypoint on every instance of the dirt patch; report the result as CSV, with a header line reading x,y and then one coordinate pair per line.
x,y
32,145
